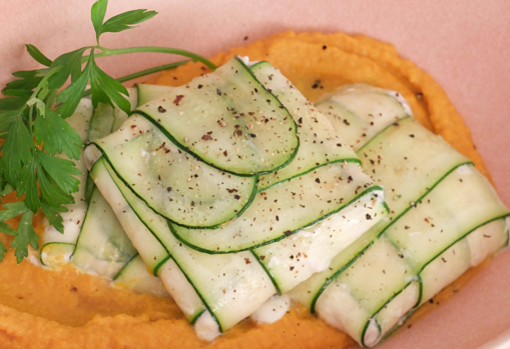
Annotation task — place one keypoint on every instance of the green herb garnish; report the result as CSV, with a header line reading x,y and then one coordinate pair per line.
x,y
33,128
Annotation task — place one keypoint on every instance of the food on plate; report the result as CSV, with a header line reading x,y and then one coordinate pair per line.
x,y
298,219
183,253
445,217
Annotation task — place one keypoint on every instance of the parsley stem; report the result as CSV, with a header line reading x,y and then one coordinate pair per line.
x,y
143,73
110,52
150,71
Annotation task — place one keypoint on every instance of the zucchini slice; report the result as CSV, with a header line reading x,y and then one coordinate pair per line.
x,y
107,119
147,92
150,249
229,120
54,254
103,247
293,260
182,292
284,209
134,276
463,201
230,286
319,143
172,182
360,111
101,122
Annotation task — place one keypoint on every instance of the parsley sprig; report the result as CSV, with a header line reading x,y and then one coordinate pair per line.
x,y
34,131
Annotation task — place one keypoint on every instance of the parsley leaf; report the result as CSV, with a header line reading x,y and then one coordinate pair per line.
x,y
100,81
28,186
68,64
97,14
16,151
34,131
52,214
71,96
13,209
61,171
56,135
11,104
29,80
2,247
38,55
4,228
7,118
126,21
24,236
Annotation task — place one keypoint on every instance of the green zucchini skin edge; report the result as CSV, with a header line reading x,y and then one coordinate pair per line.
x,y
156,269
195,318
412,310
124,267
216,226
353,160
52,243
207,307
237,215
368,324
417,279
197,248
89,189
85,217
397,325
186,150
396,123
460,238
271,277
377,311
350,160
395,219
163,261
183,148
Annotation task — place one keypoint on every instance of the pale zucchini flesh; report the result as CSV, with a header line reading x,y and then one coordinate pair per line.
x,y
102,247
229,120
148,92
182,292
149,248
284,209
461,202
54,254
107,119
231,286
319,143
172,182
134,276
293,260
360,111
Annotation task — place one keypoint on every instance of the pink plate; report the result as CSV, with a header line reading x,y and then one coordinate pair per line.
x,y
464,45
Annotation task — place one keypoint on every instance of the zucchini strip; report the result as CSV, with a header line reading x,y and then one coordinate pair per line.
x,y
230,286
102,247
134,276
319,143
174,184
284,209
229,120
